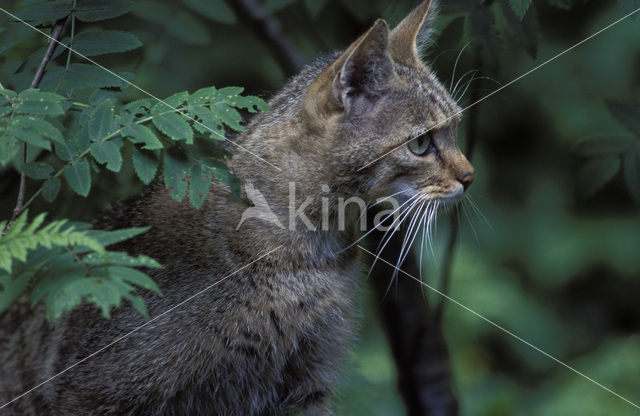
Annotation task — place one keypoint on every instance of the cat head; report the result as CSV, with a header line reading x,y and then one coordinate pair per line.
x,y
390,124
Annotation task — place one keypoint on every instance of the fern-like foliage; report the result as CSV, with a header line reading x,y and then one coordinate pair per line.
x,y
78,124
67,263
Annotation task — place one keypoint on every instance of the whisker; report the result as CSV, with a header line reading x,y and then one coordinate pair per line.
x,y
374,228
455,66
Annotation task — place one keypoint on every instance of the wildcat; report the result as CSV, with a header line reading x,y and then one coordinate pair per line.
x,y
268,334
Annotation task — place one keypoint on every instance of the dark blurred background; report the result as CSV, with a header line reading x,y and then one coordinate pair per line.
x,y
555,255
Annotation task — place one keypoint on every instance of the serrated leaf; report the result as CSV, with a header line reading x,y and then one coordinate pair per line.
x,y
43,127
94,42
520,7
78,175
108,152
627,113
39,103
9,148
213,9
118,258
631,164
96,10
37,170
610,145
137,133
101,122
199,183
84,76
108,238
208,122
145,165
525,30
175,176
135,110
28,135
134,276
598,172
171,103
174,126
45,12
50,189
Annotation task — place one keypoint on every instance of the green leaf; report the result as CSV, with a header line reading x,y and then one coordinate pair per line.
x,y
199,183
50,189
145,165
120,259
27,135
520,7
108,152
136,277
43,127
627,113
37,170
45,12
135,111
108,238
170,104
174,126
78,175
101,122
9,148
137,133
610,145
631,163
92,43
175,176
598,172
37,102
213,9
96,10
524,30
84,76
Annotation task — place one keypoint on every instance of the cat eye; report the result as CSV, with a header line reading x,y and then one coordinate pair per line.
x,y
422,144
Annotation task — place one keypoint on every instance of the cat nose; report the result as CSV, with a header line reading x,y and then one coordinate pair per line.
x,y
466,179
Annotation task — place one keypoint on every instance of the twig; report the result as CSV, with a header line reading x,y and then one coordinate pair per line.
x,y
269,31
56,33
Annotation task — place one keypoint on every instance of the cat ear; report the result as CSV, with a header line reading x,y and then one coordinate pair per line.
x,y
367,68
361,71
410,36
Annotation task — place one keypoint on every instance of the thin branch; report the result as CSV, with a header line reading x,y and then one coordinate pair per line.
x,y
56,34
270,32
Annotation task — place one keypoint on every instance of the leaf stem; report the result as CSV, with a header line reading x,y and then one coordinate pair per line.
x,y
57,32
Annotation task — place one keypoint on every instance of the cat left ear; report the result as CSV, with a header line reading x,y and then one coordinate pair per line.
x,y
359,74
367,67
411,34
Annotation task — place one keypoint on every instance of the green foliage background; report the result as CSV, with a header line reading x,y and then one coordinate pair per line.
x,y
557,156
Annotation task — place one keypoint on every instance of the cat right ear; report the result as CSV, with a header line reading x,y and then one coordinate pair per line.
x,y
359,75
